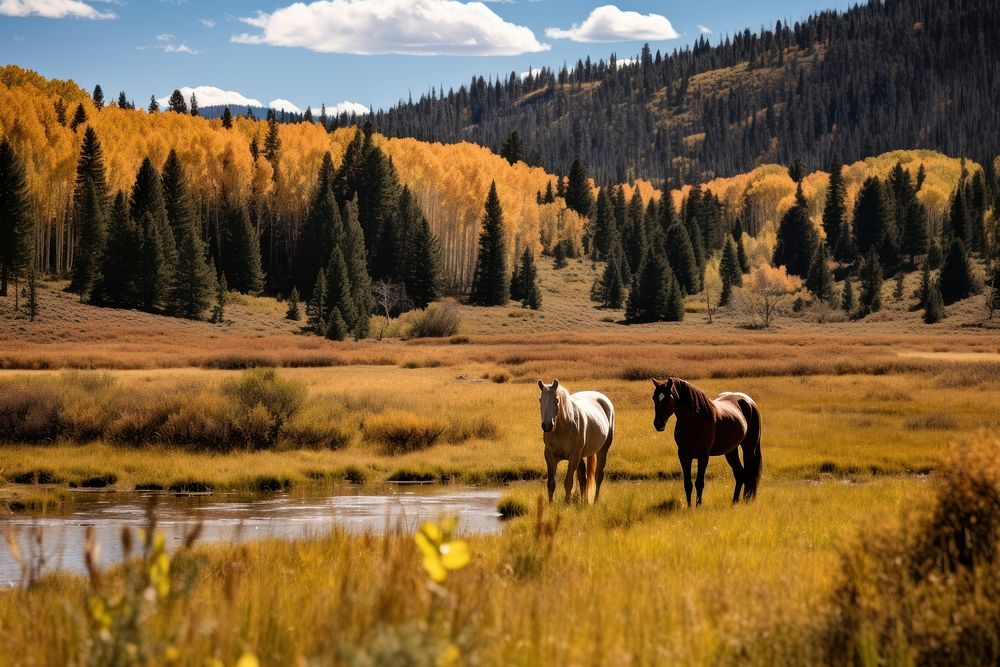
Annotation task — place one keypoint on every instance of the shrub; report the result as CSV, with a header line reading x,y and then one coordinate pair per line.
x,y
315,428
438,320
29,412
511,508
399,432
927,591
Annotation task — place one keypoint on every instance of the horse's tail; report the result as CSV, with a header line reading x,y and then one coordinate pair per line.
x,y
752,460
590,493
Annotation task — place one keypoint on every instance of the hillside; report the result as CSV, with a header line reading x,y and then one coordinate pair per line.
x,y
845,86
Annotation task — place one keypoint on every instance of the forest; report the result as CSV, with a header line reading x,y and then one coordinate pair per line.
x,y
834,87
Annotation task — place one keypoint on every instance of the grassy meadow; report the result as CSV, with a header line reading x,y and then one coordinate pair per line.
x,y
858,417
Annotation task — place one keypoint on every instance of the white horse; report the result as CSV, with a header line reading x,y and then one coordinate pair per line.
x,y
577,428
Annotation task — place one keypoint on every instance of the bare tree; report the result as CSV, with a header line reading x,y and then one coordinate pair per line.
x,y
390,298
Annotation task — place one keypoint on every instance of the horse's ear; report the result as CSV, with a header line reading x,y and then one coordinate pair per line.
x,y
656,383
555,384
541,385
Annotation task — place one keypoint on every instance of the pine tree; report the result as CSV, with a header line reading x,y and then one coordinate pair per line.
x,y
513,148
91,216
957,280
16,227
559,256
177,103
154,106
155,277
959,224
147,197
422,266
338,293
934,258
729,264
634,234
656,294
934,311
293,312
797,238
550,196
612,285
221,298
897,292
321,230
118,279
227,118
516,285
491,283
194,105
60,109
847,300
834,212
578,195
820,279
98,97
90,166
914,231
604,226
872,217
871,283
179,208
357,270
336,327
316,310
241,251
123,101
193,279
741,254
531,295
79,117
681,255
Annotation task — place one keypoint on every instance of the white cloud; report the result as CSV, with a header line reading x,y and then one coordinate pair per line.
x,y
610,24
165,37
210,96
208,23
703,30
408,27
283,105
180,48
53,9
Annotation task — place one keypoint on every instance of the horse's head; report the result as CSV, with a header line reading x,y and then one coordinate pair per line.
x,y
548,400
664,402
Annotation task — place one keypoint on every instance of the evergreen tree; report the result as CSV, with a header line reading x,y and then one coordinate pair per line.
x,y
681,255
957,280
897,292
91,216
934,311
147,197
531,295
604,226
293,311
741,253
422,266
155,272
871,283
79,117
656,294
357,270
194,105
559,255
934,258
820,280
513,148
336,327
177,203
123,102
667,212
321,230
338,295
491,284
550,196
959,219
612,285
60,109
221,297
797,238
16,227
193,278
578,195
847,300
634,234
154,106
227,118
118,279
516,286
316,310
914,231
675,299
834,213
692,223
729,264
924,292
90,166
241,250
98,97
176,103
873,222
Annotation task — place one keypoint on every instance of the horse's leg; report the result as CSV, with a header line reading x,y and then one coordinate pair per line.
x,y
581,475
733,458
574,465
602,459
550,464
699,483
686,469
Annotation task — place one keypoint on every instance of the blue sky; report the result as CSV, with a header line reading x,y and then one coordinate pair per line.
x,y
372,52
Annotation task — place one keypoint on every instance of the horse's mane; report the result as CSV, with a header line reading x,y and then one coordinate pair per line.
x,y
693,396
564,399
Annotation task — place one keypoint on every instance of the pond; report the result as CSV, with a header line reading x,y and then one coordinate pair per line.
x,y
235,519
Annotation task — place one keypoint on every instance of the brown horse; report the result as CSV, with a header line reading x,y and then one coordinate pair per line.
x,y
707,427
